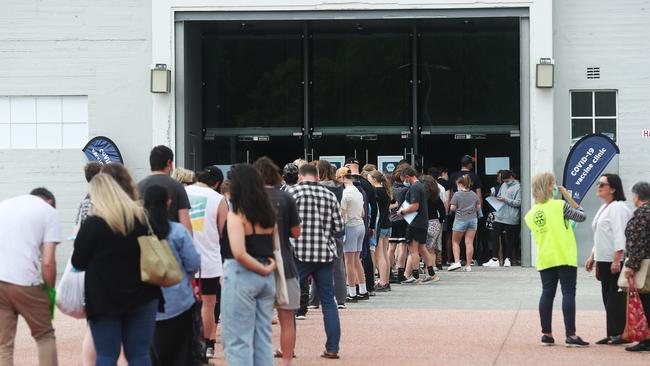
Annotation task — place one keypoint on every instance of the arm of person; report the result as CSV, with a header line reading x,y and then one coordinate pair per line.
x,y
479,193
294,218
237,236
184,219
222,214
514,201
568,198
619,216
84,243
190,258
337,220
575,214
372,200
413,207
48,263
448,200
295,232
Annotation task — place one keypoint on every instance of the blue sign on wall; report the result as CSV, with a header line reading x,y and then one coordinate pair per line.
x,y
103,150
586,161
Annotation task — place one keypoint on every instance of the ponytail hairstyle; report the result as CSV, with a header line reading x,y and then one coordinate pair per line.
x,y
465,181
155,202
381,179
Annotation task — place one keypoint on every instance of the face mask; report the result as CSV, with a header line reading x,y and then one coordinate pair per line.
x,y
407,184
556,191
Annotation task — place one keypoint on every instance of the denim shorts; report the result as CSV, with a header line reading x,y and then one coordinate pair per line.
x,y
462,226
385,233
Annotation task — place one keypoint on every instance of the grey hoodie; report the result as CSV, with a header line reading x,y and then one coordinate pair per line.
x,y
510,213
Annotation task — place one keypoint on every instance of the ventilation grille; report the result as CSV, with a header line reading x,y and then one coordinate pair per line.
x,y
593,73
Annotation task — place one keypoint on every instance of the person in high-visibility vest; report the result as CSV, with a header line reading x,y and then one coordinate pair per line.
x,y
557,255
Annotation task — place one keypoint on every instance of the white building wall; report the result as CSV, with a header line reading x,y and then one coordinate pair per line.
x,y
101,49
614,36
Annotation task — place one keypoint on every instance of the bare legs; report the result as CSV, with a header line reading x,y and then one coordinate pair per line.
x,y
382,260
287,335
207,313
469,245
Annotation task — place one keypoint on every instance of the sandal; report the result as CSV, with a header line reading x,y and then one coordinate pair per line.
x,y
278,354
330,355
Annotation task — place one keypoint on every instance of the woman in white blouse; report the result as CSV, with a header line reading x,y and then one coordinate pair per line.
x,y
609,242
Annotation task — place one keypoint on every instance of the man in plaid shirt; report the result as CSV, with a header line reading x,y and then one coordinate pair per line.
x,y
315,249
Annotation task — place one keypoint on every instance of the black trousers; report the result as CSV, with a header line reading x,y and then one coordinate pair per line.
x,y
510,237
172,342
566,275
645,300
304,296
614,301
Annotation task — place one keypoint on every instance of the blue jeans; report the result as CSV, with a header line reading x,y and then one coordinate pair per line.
x,y
247,301
134,330
566,275
324,280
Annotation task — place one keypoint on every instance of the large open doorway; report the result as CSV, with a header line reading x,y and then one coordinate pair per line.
x,y
427,90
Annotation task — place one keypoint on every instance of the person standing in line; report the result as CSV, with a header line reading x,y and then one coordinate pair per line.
x,y
398,224
466,205
384,194
249,280
327,178
91,169
161,161
208,215
557,254
315,249
607,254
506,219
370,218
416,232
476,186
29,235
172,342
352,212
289,176
637,234
121,311
288,223
436,214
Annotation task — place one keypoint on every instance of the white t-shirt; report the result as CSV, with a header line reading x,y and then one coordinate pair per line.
x,y
609,230
442,193
203,215
26,222
352,203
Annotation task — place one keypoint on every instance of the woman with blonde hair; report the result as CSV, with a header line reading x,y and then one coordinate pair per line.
x,y
557,253
120,308
184,176
380,254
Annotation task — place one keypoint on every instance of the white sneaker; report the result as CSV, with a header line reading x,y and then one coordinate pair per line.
x,y
468,268
492,263
209,352
506,263
454,267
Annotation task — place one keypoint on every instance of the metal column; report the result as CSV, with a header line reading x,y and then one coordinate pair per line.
x,y
306,84
415,133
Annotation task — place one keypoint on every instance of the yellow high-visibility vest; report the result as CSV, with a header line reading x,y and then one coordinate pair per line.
x,y
556,244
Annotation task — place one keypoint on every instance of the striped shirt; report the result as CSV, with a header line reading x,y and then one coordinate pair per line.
x,y
320,216
575,214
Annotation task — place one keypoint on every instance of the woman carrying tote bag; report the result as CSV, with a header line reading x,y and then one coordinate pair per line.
x,y
637,249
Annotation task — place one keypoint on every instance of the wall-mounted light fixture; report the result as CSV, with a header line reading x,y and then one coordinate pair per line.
x,y
161,79
544,74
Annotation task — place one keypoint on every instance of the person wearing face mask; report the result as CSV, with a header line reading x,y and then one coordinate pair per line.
x,y
557,253
506,219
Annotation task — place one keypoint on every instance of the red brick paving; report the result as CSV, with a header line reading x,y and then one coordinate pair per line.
x,y
378,337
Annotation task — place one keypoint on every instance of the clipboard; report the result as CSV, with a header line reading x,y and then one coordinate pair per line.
x,y
409,216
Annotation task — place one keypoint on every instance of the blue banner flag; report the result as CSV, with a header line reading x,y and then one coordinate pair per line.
x,y
103,150
585,163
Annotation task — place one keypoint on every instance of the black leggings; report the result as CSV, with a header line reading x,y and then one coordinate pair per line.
x,y
614,301
566,275
511,232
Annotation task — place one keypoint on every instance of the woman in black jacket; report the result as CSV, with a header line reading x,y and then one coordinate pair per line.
x,y
121,309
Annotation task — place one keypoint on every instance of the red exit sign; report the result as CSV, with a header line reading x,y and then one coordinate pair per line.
x,y
645,133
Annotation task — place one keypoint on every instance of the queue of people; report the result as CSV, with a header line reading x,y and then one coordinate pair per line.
x,y
346,233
